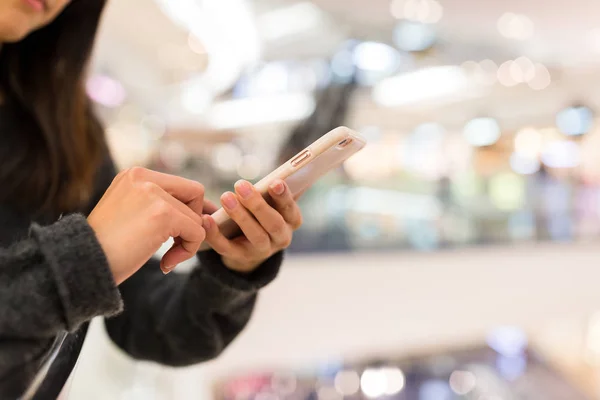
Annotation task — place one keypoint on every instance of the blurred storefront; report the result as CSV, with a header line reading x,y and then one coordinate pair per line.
x,y
479,132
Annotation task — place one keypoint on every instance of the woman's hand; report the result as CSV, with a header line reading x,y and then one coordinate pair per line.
x,y
138,213
267,229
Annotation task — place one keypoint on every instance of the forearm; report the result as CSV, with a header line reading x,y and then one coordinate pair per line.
x,y
183,319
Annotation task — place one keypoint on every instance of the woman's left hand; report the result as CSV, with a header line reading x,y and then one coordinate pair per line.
x,y
267,229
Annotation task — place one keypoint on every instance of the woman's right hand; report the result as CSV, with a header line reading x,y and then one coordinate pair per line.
x,y
140,211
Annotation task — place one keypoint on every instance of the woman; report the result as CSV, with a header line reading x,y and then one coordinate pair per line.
x,y
76,242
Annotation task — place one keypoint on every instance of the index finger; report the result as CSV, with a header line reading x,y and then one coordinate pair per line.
x,y
189,192
188,236
209,207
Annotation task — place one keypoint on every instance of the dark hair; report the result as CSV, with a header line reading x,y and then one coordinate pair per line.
x,y
42,82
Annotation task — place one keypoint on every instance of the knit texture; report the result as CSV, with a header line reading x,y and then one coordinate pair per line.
x,y
54,278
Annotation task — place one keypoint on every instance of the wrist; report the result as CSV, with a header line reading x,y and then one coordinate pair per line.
x,y
211,263
239,266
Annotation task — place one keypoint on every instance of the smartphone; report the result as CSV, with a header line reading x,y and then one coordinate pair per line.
x,y
302,170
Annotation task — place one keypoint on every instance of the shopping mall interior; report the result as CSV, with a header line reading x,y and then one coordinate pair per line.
x,y
454,257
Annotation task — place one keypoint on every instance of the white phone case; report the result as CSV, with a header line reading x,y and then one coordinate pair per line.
x,y
302,170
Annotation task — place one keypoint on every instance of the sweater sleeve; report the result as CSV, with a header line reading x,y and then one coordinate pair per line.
x,y
183,319
50,282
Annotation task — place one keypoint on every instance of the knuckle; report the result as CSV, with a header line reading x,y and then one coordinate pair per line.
x,y
299,220
122,173
239,216
199,187
257,205
201,235
286,241
148,188
161,210
136,174
225,251
263,241
288,203
279,228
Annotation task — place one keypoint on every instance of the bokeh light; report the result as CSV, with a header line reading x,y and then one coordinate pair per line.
x,y
481,132
395,380
507,191
426,11
561,154
462,382
414,36
383,381
516,26
154,125
575,121
174,155
224,157
506,75
509,341
528,142
541,79
249,167
106,91
347,383
524,164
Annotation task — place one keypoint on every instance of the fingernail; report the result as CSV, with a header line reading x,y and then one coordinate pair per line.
x,y
166,270
278,187
206,223
244,189
229,200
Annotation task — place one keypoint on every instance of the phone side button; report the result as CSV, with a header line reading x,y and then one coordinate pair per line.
x,y
300,158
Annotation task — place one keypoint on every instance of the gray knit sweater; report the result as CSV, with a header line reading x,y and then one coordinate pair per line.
x,y
54,278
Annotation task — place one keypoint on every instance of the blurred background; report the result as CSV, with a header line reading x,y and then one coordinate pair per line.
x,y
452,258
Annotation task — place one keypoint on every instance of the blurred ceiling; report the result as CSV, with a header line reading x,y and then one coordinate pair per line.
x,y
148,51
559,26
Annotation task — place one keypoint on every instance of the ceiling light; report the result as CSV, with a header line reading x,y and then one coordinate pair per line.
x,y
242,113
291,20
374,56
426,85
227,31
